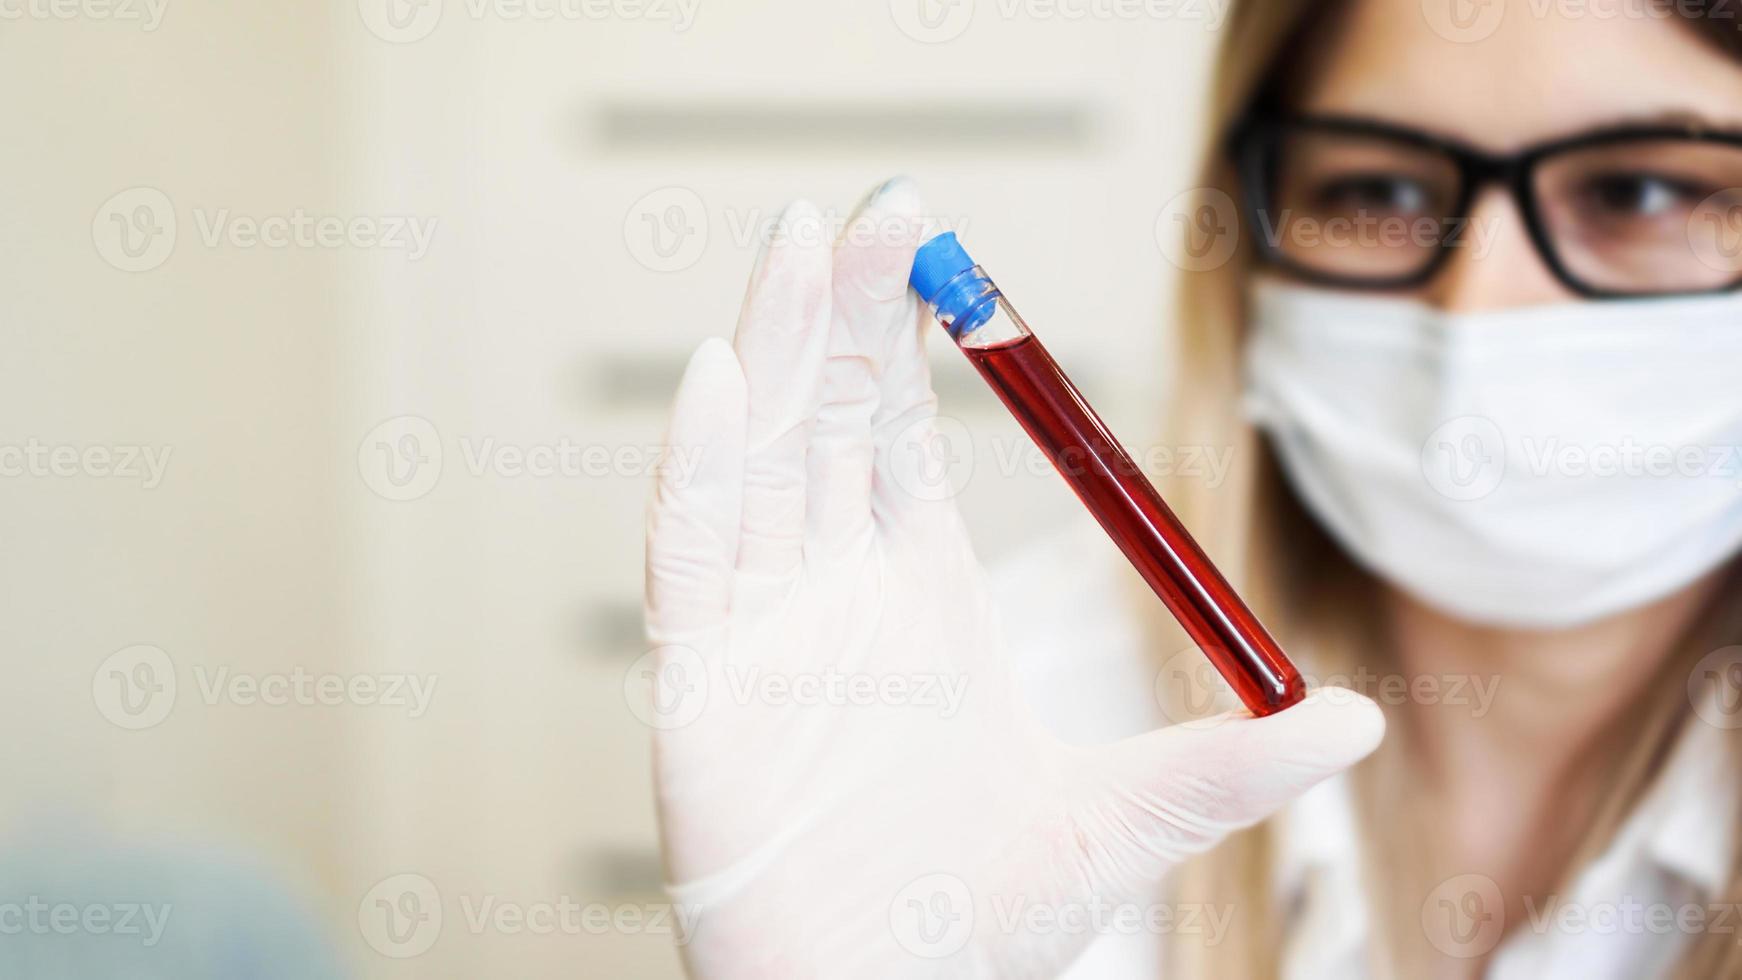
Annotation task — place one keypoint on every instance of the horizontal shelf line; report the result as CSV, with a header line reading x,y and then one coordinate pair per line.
x,y
830,125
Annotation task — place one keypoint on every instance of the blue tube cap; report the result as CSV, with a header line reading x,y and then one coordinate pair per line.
x,y
936,263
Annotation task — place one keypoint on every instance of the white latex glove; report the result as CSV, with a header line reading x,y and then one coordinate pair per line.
x,y
885,835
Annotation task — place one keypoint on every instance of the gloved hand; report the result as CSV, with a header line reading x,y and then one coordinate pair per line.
x,y
875,831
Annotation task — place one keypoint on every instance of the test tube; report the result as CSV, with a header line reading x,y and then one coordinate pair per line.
x,y
1063,425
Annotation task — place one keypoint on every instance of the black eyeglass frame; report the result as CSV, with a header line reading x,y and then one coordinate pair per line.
x,y
1257,136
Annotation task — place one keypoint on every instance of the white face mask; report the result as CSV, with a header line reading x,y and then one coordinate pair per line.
x,y
1537,467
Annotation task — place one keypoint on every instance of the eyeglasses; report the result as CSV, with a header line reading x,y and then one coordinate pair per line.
x,y
1633,211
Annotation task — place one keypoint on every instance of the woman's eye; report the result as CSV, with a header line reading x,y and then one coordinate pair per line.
x,y
1637,195
1373,192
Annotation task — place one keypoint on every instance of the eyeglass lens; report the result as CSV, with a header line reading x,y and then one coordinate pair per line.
x,y
1635,216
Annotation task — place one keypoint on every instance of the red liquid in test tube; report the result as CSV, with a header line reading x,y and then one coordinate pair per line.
x,y
1063,425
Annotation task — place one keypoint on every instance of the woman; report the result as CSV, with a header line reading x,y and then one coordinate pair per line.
x,y
1471,360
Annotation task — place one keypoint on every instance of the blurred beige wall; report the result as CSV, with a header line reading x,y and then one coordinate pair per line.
x,y
224,365
530,222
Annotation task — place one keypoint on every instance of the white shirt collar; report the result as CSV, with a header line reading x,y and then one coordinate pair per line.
x,y
1684,826
1689,815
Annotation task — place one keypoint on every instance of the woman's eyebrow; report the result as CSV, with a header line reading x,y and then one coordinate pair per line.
x,y
1688,119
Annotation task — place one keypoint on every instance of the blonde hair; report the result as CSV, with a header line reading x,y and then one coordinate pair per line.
x,y
1320,605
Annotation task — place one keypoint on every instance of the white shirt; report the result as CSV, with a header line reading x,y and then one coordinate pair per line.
x,y
1080,657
